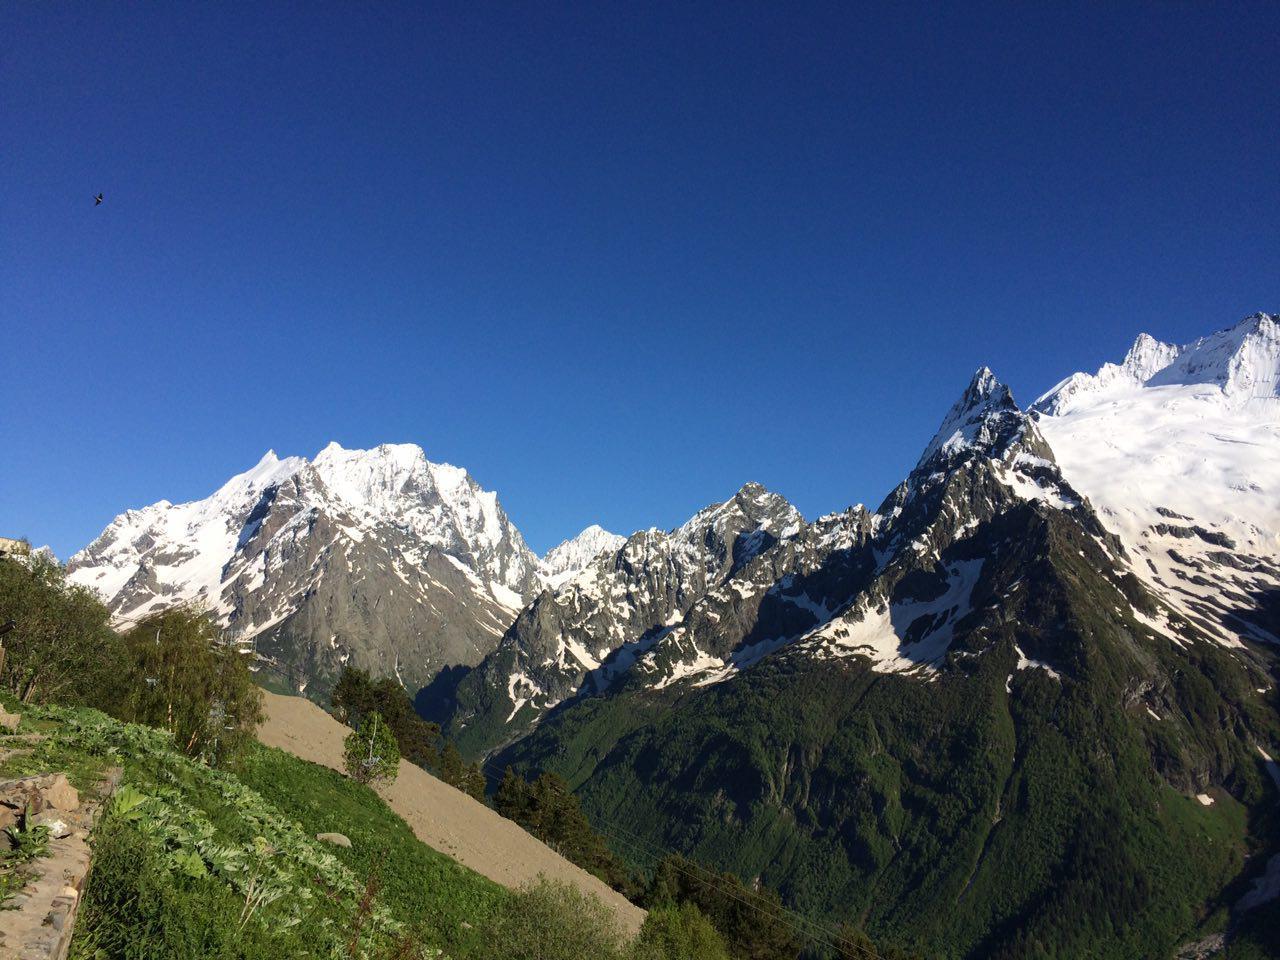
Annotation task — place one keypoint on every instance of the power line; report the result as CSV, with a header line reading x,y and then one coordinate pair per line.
x,y
804,926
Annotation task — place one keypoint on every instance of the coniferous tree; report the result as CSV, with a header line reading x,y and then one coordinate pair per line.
x,y
356,694
752,921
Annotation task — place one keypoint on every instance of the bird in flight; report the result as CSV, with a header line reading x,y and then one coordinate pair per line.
x,y
97,200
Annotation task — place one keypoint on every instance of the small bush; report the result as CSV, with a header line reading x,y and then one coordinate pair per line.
x,y
678,933
552,920
371,752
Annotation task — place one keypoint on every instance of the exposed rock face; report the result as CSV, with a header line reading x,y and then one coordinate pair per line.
x,y
743,579
378,558
600,621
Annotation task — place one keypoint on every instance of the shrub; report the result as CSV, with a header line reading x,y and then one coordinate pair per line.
x,y
552,920
61,646
180,678
371,751
678,933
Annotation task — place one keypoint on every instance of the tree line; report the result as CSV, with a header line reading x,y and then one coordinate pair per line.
x,y
168,670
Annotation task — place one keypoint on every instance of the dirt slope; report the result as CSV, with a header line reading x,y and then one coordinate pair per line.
x,y
441,817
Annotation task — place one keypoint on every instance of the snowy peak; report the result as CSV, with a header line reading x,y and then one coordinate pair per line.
x,y
267,472
562,563
1242,362
1147,357
165,553
1178,449
984,419
437,502
737,529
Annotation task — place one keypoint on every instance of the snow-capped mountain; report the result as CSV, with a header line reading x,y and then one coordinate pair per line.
x,y
1178,448
598,621
749,577
1046,663
1042,666
568,559
381,555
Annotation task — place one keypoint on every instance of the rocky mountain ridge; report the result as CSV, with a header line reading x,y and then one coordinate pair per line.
x,y
378,557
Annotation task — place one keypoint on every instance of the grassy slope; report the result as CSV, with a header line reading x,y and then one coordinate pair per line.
x,y
418,882
142,903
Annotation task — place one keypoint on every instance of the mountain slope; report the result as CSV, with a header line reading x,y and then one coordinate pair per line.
x,y
1181,457
966,720
379,558
597,623
440,816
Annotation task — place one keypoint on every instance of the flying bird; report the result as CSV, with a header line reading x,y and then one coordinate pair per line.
x,y
97,200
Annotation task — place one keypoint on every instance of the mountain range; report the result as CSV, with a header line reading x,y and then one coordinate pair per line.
x,y
1025,707
379,558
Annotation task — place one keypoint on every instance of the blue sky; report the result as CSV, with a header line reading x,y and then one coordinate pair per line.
x,y
615,260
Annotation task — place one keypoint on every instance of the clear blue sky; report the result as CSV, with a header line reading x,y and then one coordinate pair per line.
x,y
615,260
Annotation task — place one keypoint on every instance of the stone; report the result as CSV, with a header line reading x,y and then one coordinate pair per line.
x,y
61,795
337,839
25,795
58,828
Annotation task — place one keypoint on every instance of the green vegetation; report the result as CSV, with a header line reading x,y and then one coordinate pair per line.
x,y
189,862
548,809
415,881
27,839
192,861
24,841
178,677
370,753
169,671
993,812
62,646
356,695
752,922
682,932
549,920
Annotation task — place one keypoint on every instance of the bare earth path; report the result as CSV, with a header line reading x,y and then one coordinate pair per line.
x,y
441,817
